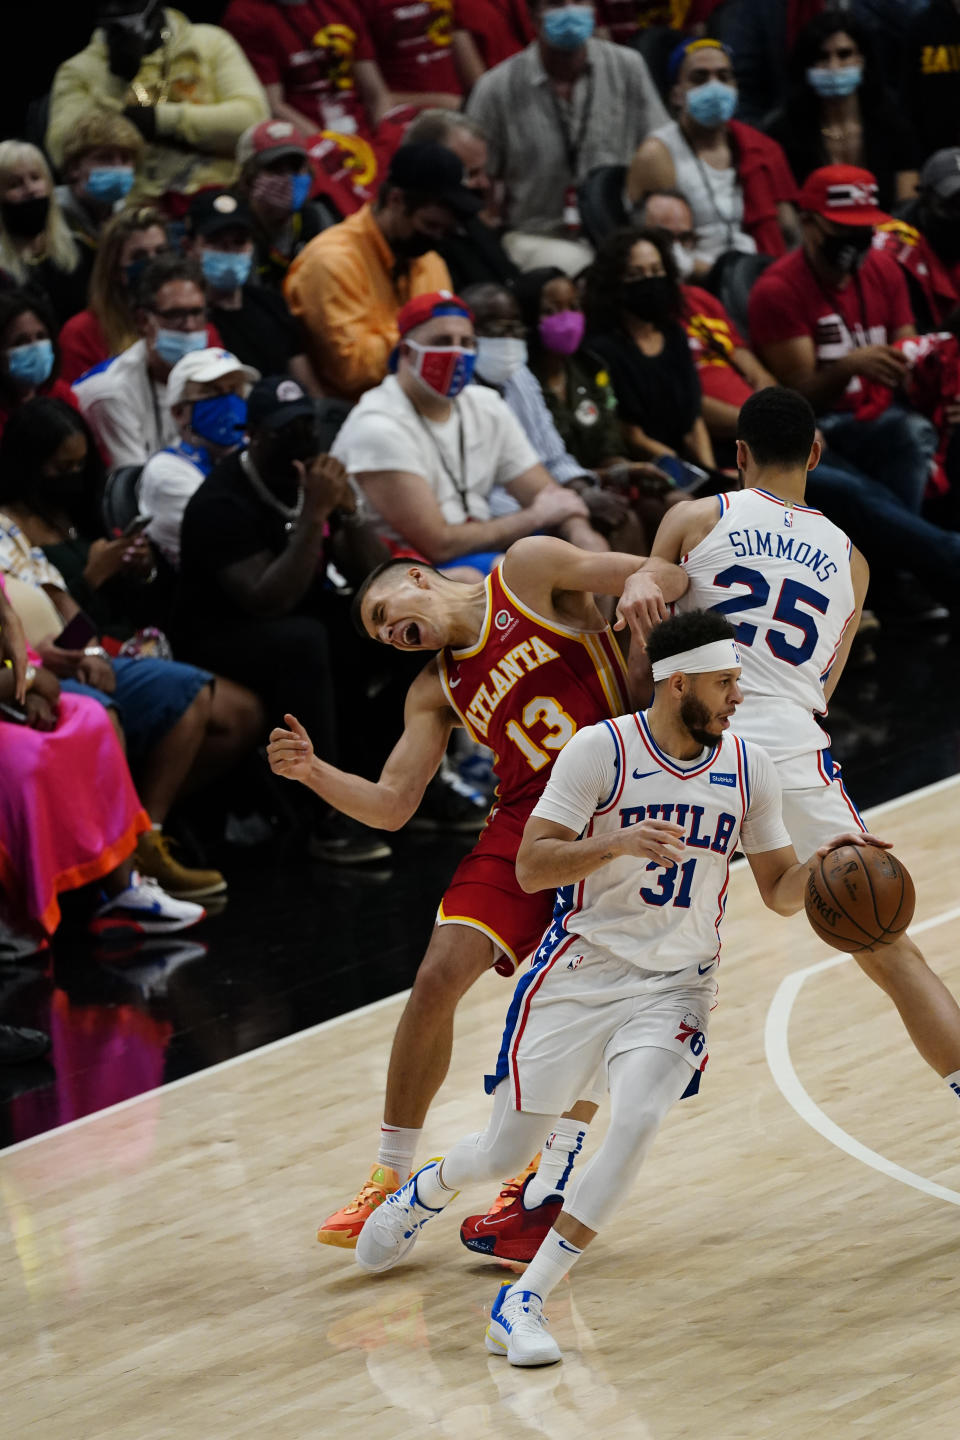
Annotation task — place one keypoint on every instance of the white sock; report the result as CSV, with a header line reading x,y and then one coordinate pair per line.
x,y
431,1190
397,1148
954,1082
548,1266
556,1162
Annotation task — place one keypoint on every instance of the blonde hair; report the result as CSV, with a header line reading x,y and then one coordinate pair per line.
x,y
108,297
59,245
101,129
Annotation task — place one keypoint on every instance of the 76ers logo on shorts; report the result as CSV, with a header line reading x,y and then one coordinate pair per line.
x,y
504,621
690,1034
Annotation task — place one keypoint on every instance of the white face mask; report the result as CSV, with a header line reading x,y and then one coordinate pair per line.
x,y
498,358
683,259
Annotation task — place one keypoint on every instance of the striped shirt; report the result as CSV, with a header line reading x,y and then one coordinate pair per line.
x,y
540,144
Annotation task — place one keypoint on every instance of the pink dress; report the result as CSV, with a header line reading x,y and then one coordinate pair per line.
x,y
68,811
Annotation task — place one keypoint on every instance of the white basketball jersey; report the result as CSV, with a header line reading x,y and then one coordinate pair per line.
x,y
781,575
645,913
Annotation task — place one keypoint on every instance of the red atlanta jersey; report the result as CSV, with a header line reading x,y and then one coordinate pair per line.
x,y
527,685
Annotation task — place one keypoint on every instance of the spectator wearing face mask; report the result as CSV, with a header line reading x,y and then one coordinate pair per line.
x,y
427,448
634,308
737,181
188,89
838,111
36,246
206,392
125,399
254,546
348,284
253,322
473,251
823,320
925,242
728,369
553,113
29,354
101,158
128,243
276,180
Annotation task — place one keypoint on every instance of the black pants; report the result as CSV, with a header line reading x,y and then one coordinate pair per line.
x,y
346,691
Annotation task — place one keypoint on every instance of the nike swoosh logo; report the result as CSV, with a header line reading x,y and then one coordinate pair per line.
x,y
564,1246
646,774
702,969
494,1219
454,683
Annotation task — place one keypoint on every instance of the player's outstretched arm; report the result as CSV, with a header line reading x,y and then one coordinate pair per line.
x,y
782,879
387,803
551,855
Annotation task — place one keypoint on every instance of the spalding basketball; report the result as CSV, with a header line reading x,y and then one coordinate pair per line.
x,y
859,897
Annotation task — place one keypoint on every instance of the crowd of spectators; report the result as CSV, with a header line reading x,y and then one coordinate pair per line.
x,y
332,280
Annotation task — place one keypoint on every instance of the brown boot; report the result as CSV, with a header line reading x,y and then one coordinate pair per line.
x,y
153,858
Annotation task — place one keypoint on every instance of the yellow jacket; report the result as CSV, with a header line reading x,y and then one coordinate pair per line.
x,y
205,93
341,287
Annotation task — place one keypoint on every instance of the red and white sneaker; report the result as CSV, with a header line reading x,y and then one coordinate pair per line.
x,y
509,1231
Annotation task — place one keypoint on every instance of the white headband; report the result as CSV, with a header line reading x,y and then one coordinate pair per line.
x,y
718,655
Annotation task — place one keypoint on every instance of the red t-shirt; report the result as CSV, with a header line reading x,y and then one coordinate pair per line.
x,y
308,50
411,40
500,28
713,338
788,301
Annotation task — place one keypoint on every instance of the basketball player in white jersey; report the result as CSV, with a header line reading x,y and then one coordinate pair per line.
x,y
793,587
635,830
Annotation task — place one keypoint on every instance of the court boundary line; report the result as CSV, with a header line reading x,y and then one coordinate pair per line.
x,y
776,1041
934,788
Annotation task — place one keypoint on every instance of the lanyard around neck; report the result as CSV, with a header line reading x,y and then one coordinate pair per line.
x,y
459,483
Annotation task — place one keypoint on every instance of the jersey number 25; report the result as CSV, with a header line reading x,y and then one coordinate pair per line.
x,y
787,611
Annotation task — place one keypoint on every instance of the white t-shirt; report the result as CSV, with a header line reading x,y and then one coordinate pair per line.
x,y
168,481
126,409
481,445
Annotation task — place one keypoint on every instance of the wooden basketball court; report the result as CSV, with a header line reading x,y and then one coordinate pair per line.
x,y
160,1276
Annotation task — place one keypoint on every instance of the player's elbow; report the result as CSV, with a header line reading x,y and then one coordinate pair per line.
x,y
527,877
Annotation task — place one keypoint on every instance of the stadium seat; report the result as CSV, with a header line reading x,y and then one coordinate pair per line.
x,y
600,198
120,502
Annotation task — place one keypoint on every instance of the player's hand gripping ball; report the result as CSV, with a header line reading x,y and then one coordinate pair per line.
x,y
859,896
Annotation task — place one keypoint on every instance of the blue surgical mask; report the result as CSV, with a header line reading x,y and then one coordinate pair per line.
x,y
226,269
109,183
31,364
712,104
568,28
830,84
221,420
172,345
300,186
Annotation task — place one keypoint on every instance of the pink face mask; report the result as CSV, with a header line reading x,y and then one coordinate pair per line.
x,y
563,333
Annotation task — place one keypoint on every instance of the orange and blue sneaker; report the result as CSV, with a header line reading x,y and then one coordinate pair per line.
x,y
343,1227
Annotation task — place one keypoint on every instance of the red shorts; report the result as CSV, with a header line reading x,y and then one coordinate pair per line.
x,y
484,893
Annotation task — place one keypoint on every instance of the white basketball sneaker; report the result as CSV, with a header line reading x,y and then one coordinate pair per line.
x,y
391,1231
518,1328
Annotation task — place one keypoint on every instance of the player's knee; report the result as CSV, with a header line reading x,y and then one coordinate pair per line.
x,y
443,977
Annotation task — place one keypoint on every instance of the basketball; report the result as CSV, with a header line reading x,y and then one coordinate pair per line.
x,y
858,897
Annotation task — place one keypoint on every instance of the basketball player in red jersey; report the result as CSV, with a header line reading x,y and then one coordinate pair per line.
x,y
525,660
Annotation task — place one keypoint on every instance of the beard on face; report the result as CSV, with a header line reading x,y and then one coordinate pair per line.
x,y
696,717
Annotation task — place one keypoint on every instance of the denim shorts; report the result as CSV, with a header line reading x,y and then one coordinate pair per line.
x,y
150,697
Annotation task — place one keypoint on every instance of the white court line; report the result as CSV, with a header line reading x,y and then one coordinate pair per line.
x,y
934,789
777,1046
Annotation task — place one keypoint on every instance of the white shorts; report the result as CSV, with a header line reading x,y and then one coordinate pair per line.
x,y
816,806
572,1014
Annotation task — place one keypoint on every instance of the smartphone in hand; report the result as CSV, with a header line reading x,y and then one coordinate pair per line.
x,y
77,633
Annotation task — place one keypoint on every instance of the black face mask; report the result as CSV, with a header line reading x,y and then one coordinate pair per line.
x,y
413,246
653,298
25,218
291,442
943,234
65,488
846,253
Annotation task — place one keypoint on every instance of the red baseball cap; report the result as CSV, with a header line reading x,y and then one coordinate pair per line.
x,y
843,193
424,307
